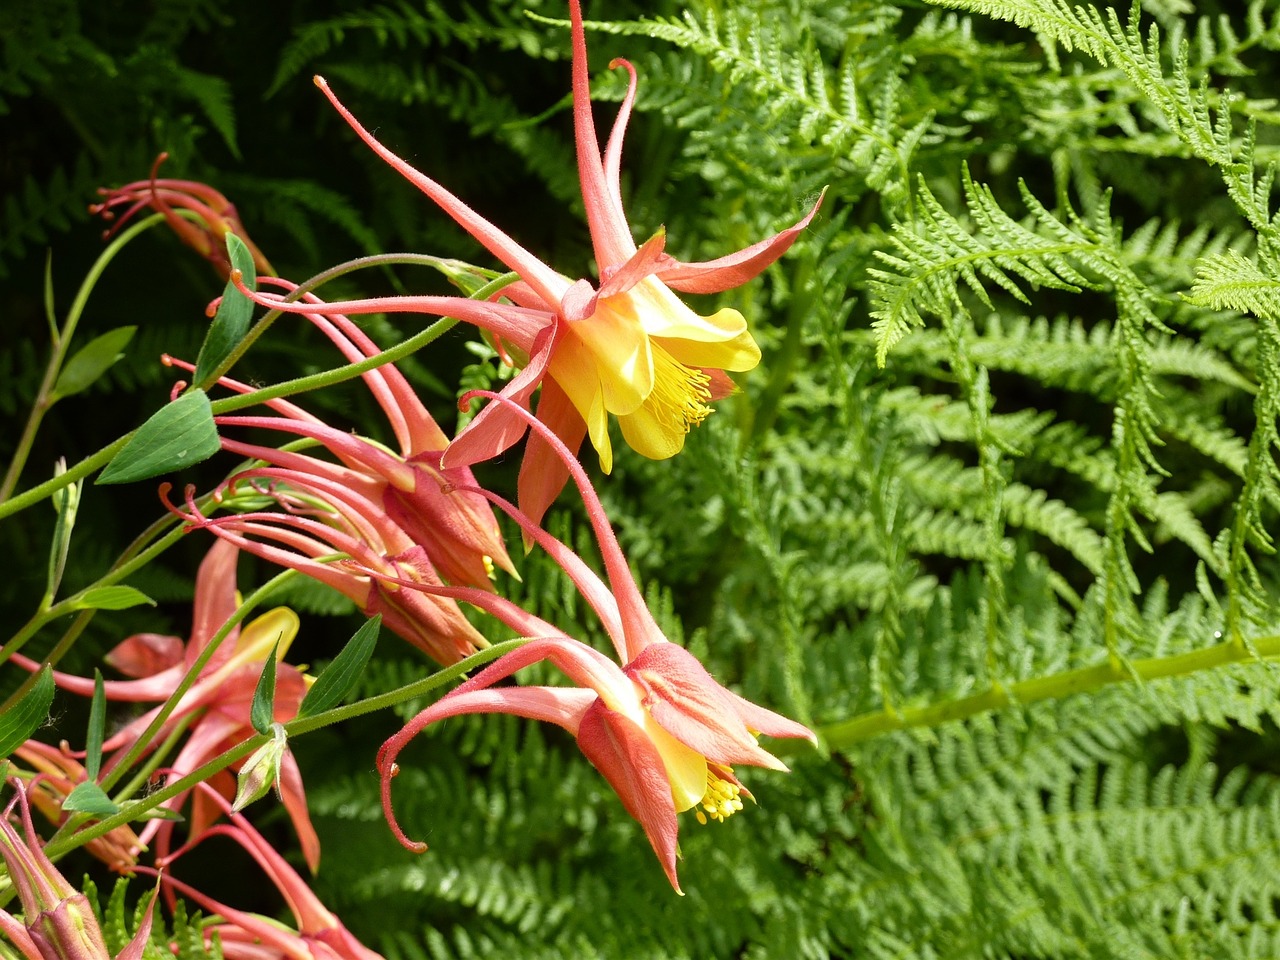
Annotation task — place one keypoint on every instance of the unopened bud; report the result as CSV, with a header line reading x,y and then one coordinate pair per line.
x,y
261,771
69,931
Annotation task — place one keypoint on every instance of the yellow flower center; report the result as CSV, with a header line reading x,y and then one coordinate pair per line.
x,y
722,799
680,394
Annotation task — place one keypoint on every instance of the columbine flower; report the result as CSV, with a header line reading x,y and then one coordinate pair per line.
x,y
58,922
627,348
246,936
456,528
325,520
218,704
663,732
207,235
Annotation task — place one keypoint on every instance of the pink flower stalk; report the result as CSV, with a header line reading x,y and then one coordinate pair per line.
x,y
58,922
216,215
55,773
659,728
218,704
629,347
457,529
246,936
342,523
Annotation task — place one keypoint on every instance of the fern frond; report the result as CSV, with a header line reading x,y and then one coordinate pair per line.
x,y
55,203
1228,281
938,253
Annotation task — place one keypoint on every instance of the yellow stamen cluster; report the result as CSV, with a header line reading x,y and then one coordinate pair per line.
x,y
722,799
680,394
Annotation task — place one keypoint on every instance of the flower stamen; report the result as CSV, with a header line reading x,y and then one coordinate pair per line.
x,y
722,800
681,395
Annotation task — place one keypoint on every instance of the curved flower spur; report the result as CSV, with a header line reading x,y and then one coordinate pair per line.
x,y
628,347
456,529
659,727
242,935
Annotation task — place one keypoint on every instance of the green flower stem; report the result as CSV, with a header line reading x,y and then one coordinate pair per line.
x,y
846,733
337,375
352,370
294,728
45,397
141,776
287,388
51,486
314,283
122,569
158,756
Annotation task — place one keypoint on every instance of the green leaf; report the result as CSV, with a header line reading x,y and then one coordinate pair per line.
x,y
180,434
97,725
341,675
49,315
263,711
91,361
111,598
24,718
231,322
154,813
88,797
66,501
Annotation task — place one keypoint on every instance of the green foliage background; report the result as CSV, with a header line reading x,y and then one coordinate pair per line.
x,y
994,514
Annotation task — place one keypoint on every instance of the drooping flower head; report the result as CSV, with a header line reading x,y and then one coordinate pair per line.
x,y
323,520
627,348
663,732
215,215
455,528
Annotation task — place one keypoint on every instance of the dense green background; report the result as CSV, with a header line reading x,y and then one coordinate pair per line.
x,y
1070,465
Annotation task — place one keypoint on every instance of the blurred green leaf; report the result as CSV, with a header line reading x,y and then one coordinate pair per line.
x,y
23,719
111,598
91,361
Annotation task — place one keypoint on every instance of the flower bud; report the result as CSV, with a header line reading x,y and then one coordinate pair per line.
x,y
59,919
262,770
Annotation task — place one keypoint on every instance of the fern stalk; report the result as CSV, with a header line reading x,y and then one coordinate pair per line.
x,y
845,733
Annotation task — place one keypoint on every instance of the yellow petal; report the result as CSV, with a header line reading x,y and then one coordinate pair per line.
x,y
257,639
576,370
740,353
662,314
652,437
686,768
619,349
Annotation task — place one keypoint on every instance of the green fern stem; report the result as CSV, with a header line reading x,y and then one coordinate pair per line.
x,y
1246,596
846,733
976,388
